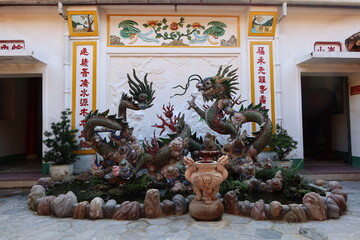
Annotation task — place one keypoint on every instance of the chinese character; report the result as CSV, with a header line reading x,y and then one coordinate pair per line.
x,y
261,51
84,83
14,47
84,62
84,72
262,99
331,49
84,112
261,60
82,122
82,134
4,47
261,70
263,88
83,144
84,52
262,79
84,102
84,93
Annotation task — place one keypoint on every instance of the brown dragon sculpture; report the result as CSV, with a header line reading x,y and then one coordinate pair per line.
x,y
224,119
123,145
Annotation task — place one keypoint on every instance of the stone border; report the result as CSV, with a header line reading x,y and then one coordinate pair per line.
x,y
314,207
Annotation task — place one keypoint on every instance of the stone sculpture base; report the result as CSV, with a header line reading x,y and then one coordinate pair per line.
x,y
202,212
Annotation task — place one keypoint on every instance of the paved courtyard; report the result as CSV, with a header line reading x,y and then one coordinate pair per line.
x,y
20,223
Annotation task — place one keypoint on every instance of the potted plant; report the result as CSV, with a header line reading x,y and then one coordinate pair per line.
x,y
62,147
282,144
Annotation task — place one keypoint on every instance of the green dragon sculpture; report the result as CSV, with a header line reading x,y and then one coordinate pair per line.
x,y
223,119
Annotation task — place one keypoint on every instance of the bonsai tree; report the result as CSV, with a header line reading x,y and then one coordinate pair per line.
x,y
61,141
282,143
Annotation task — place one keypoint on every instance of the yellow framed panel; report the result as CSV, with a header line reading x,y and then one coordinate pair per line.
x,y
84,67
262,76
262,24
83,23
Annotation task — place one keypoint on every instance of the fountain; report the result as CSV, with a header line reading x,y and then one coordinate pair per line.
x,y
183,163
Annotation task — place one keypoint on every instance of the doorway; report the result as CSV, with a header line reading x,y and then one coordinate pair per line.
x,y
20,123
325,115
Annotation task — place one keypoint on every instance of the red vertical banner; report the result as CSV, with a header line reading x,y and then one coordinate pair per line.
x,y
262,76
83,88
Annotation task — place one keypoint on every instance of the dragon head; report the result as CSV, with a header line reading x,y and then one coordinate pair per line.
x,y
217,87
141,91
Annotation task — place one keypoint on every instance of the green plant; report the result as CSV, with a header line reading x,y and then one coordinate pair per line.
x,y
229,185
61,141
282,143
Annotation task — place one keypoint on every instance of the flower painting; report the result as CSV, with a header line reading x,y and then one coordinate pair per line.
x,y
262,24
173,31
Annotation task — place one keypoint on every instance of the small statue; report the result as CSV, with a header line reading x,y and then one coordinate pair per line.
x,y
206,177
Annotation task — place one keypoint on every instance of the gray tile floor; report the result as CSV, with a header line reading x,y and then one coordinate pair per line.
x,y
18,222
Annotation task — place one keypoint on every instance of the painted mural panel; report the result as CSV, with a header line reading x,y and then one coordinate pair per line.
x,y
165,72
262,24
174,31
83,23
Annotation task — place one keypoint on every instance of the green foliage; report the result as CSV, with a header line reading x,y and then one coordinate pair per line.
x,y
294,186
60,141
229,185
268,173
282,143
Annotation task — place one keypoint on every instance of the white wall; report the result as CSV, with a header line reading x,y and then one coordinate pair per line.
x,y
42,29
298,32
354,100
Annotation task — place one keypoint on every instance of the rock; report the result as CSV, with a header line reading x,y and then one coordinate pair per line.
x,y
81,210
181,206
190,198
315,206
275,210
44,208
46,182
258,211
245,207
231,203
96,206
35,194
127,211
37,188
64,205
320,182
109,208
168,207
340,201
331,208
152,204
142,210
334,185
295,214
338,191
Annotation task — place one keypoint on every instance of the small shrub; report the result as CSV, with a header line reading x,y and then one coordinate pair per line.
x,y
282,143
61,141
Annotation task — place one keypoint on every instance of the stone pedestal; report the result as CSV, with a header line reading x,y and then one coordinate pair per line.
x,y
206,212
